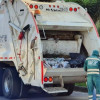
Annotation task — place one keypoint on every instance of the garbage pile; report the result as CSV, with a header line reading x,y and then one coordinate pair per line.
x,y
76,61
56,63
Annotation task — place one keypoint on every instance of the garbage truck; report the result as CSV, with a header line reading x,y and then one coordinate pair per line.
x,y
43,44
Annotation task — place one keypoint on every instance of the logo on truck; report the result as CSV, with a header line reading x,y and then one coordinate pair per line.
x,y
3,38
60,9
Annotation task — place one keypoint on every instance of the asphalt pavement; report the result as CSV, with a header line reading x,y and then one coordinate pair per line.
x,y
73,96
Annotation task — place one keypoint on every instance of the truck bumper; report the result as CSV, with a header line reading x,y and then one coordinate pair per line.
x,y
69,75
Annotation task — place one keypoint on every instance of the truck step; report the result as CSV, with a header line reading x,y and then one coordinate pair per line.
x,y
52,90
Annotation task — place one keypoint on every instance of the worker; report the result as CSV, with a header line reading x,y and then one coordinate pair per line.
x,y
92,67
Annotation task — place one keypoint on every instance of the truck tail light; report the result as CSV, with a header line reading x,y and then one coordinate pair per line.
x,y
50,79
54,6
75,9
70,9
31,6
21,35
45,79
36,6
50,6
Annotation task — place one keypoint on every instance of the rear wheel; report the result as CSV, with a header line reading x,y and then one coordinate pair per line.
x,y
12,85
1,76
70,88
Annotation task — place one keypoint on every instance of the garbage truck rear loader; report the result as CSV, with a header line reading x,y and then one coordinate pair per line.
x,y
43,44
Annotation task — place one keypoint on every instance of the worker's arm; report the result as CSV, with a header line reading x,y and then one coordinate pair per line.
x,y
85,66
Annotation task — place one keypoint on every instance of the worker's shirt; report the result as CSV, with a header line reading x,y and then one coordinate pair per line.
x,y
92,65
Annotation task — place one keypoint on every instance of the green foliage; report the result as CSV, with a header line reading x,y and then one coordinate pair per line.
x,y
81,84
98,26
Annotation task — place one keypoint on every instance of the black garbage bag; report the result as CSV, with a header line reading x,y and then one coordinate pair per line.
x,y
77,60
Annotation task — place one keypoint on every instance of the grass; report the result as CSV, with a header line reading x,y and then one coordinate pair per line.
x,y
81,84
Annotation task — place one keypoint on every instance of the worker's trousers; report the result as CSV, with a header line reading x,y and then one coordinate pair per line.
x,y
93,81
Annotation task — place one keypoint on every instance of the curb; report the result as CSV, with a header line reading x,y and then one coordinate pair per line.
x,y
80,89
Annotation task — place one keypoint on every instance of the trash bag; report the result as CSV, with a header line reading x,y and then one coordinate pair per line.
x,y
77,60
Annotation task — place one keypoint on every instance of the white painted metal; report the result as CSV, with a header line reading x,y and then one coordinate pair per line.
x,y
65,72
71,23
15,27
60,47
19,50
27,54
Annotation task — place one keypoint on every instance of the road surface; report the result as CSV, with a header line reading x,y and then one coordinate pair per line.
x,y
74,96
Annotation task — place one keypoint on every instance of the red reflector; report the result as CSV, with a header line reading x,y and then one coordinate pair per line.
x,y
45,79
31,6
6,57
1,57
10,57
50,79
57,6
54,6
70,9
36,6
21,35
75,9
49,5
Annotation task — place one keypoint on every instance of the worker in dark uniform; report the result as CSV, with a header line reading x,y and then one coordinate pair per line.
x,y
92,67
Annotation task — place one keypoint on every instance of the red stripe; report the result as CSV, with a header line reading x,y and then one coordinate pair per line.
x,y
42,73
94,26
7,58
35,23
1,57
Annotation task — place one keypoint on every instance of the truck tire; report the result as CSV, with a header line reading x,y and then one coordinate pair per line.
x,y
70,88
1,76
24,90
11,83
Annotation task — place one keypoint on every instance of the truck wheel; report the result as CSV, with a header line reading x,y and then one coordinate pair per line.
x,y
11,83
1,76
24,90
70,88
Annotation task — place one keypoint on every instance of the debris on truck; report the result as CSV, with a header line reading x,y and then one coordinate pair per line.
x,y
56,63
75,61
